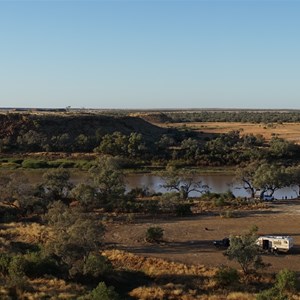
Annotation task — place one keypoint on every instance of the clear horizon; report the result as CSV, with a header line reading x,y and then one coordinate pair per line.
x,y
150,54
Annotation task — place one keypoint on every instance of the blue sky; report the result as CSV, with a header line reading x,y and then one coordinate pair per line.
x,y
150,54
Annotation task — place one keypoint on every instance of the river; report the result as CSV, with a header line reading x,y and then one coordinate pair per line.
x,y
217,183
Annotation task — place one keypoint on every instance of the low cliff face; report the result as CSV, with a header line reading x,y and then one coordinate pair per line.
x,y
33,128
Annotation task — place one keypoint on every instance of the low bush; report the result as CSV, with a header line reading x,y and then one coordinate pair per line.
x,y
154,234
269,294
226,276
219,202
17,265
38,265
96,266
62,163
285,286
183,209
102,292
34,164
286,281
4,263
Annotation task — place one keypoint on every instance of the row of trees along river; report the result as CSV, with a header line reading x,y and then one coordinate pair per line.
x,y
248,181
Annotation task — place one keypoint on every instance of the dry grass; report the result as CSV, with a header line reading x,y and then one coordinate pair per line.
x,y
155,266
288,131
54,289
45,288
33,233
169,291
172,280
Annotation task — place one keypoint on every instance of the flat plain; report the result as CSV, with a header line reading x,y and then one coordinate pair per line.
x,y
190,240
288,131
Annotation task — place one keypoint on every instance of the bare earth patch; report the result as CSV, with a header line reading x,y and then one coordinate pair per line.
x,y
190,240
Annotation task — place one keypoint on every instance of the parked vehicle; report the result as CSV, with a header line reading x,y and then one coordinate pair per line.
x,y
275,243
224,243
260,195
267,198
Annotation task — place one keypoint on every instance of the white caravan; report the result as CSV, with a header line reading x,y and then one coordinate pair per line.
x,y
275,243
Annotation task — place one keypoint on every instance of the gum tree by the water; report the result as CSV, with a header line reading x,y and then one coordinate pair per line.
x,y
183,182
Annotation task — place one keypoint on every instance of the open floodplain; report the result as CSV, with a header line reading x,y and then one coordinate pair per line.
x,y
190,240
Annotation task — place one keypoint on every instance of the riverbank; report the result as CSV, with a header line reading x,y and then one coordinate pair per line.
x,y
84,161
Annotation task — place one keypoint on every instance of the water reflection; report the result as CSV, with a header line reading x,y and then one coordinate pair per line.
x,y
217,183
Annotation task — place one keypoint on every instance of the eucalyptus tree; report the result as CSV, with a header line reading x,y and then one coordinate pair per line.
x,y
113,144
136,145
56,184
245,175
245,251
17,193
293,174
75,236
270,177
183,182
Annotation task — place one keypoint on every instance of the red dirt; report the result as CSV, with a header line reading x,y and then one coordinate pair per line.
x,y
190,240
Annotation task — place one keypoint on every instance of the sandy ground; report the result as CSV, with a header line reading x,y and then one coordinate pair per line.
x,y
190,240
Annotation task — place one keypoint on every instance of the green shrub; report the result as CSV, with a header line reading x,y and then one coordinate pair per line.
x,y
17,281
16,160
286,281
34,164
96,265
62,163
38,265
84,164
219,202
151,207
269,294
226,276
4,263
54,164
17,266
183,209
154,234
103,292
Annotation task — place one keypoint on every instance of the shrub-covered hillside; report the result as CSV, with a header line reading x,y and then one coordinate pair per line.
x,y
66,131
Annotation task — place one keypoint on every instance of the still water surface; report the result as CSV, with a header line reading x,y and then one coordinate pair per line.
x,y
217,183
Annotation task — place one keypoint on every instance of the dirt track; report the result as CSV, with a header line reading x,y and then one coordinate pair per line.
x,y
190,240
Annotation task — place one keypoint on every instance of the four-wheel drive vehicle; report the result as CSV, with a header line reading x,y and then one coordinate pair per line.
x,y
224,243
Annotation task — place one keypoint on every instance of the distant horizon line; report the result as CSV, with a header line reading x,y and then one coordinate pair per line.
x,y
69,108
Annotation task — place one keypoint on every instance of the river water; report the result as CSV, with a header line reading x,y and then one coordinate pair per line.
x,y
217,183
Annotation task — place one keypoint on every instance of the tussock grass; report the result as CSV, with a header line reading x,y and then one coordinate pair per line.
x,y
45,288
27,232
155,266
54,289
169,291
177,281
